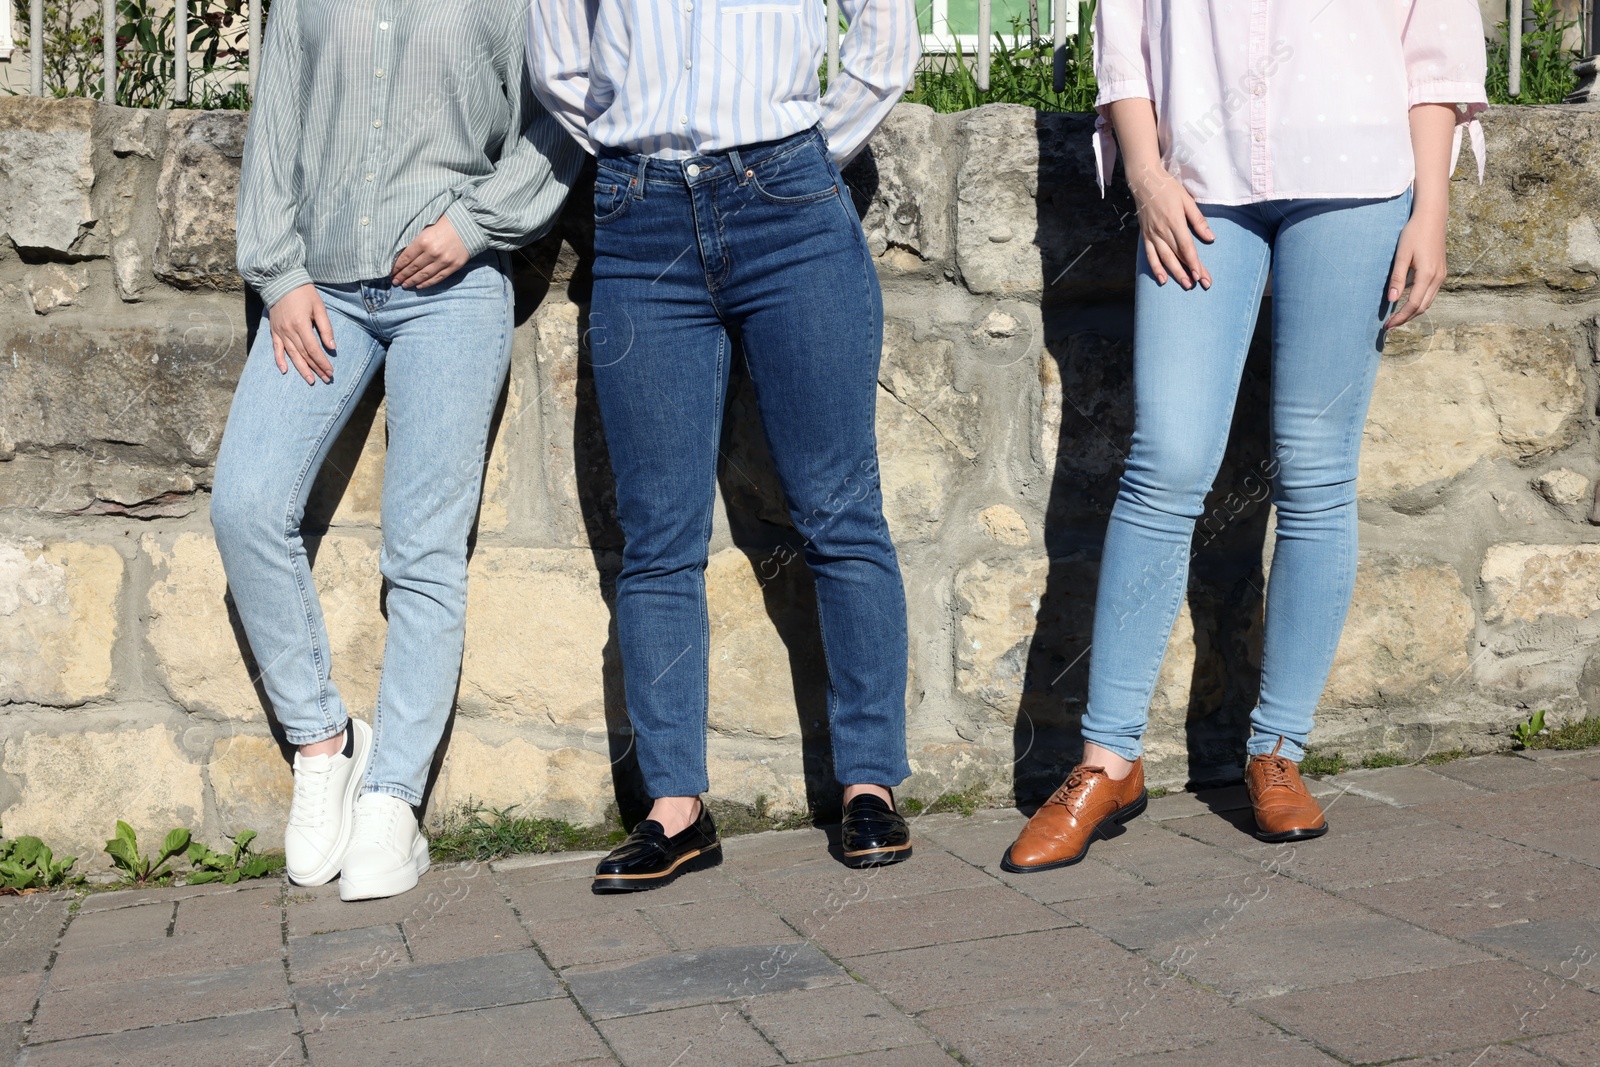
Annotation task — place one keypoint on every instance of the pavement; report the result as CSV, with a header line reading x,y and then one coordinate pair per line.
x,y
1451,917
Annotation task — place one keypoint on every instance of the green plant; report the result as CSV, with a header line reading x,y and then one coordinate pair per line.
x,y
226,867
137,868
27,864
480,833
1319,763
1580,733
1383,759
1021,71
965,801
1547,66
1523,733
72,45
1157,793
218,53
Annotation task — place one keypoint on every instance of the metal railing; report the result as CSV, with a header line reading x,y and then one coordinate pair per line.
x,y
180,51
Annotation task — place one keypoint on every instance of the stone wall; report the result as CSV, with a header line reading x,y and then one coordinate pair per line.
x,y
1003,411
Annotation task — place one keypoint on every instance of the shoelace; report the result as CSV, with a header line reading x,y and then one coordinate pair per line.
x,y
308,806
1076,782
1274,772
375,822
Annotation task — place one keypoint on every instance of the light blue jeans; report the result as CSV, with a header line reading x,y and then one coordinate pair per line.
x,y
1329,261
443,353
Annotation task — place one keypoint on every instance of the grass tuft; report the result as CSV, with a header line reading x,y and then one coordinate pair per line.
x,y
1580,733
1324,763
475,832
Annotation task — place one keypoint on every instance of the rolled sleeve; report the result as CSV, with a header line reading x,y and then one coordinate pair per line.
x,y
1121,52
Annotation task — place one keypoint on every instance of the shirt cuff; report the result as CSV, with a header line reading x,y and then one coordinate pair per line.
x,y
1122,89
467,228
274,289
1468,97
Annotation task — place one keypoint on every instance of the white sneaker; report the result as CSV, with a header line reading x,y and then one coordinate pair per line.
x,y
387,852
325,789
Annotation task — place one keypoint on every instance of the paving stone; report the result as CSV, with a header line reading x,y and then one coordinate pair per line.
x,y
837,1020
1585,763
1462,903
912,1056
881,925
541,1034
1085,879
255,1039
545,900
1345,860
1477,1004
1567,948
980,840
18,994
1074,962
1279,1050
318,909
1576,1049
719,923
255,908
1515,816
421,989
1346,813
622,934
10,1039
102,929
345,953
553,865
464,919
29,927
1138,1019
211,948
702,1036
1574,841
823,886
1405,786
1182,804
116,899
682,979
1485,1056
107,1007
1506,773
1155,855
747,847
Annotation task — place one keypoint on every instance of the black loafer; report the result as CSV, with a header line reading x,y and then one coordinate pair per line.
x,y
873,834
649,858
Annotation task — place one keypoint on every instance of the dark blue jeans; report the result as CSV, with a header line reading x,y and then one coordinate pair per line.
x,y
758,249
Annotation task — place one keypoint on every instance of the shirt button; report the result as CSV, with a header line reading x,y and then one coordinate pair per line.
x,y
1258,137
383,25
1260,89
378,73
365,220
683,120
377,124
371,176
688,64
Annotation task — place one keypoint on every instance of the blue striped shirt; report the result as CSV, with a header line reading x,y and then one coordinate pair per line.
x,y
676,78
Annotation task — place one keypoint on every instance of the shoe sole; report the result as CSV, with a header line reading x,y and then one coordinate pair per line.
x,y
1119,816
391,884
698,860
878,857
363,755
1301,834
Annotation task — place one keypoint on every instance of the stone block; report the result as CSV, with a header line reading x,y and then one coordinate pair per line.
x,y
252,785
201,650
197,195
904,178
1533,220
1492,391
349,489
577,467
72,788
559,783
538,633
53,287
1526,583
767,675
85,481
1406,637
58,621
46,172
1085,420
1030,219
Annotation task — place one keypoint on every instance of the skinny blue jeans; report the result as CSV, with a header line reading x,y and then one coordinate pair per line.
x,y
443,353
1329,262
761,249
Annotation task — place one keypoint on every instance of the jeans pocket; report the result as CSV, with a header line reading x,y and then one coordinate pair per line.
x,y
803,176
611,198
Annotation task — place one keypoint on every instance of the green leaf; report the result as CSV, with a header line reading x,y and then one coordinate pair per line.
x,y
122,853
125,833
176,841
242,839
201,877
256,866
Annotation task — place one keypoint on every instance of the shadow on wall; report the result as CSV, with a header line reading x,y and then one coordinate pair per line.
x,y
1211,676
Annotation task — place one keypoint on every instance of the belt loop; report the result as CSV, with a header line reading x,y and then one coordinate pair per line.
x,y
640,180
738,165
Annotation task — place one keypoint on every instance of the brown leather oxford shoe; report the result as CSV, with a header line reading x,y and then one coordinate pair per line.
x,y
1285,810
1061,830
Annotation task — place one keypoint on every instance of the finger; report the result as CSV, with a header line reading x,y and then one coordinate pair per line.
x,y
1435,283
1397,276
420,264
407,254
1191,259
1197,220
324,325
1153,258
1405,314
311,350
291,345
1174,265
278,356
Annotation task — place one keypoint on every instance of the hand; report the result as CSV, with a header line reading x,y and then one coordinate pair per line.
x,y
300,333
435,254
1167,214
1420,254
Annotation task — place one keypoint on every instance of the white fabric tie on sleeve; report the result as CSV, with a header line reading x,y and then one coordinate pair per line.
x,y
1474,131
1105,152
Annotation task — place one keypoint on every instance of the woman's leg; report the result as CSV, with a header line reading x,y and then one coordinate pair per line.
x,y
1189,353
661,358
449,349
1330,264
278,434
